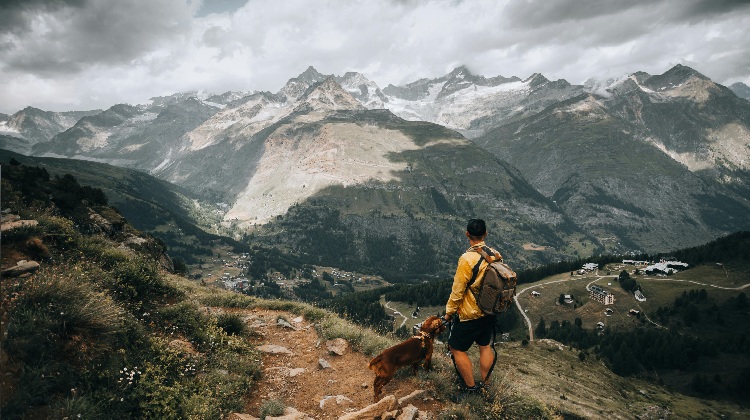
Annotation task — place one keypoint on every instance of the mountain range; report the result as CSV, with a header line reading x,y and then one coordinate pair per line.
x,y
346,173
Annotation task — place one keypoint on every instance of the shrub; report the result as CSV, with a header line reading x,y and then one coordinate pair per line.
x,y
232,324
138,283
271,408
62,330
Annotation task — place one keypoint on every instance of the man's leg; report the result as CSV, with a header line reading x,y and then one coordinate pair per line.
x,y
486,357
463,364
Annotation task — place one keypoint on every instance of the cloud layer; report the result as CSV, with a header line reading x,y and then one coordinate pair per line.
x,y
85,54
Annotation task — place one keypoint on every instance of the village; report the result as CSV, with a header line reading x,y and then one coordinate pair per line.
x,y
600,294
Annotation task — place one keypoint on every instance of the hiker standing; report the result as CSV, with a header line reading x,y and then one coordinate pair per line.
x,y
473,325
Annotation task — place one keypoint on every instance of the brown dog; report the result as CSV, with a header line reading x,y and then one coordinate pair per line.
x,y
409,352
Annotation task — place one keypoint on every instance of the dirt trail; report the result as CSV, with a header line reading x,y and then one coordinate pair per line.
x,y
349,375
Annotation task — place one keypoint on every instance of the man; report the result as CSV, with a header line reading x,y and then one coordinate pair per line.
x,y
473,326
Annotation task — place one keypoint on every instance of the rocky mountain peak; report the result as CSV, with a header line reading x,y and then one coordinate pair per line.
x,y
672,78
296,86
310,75
536,79
362,88
740,89
460,72
329,95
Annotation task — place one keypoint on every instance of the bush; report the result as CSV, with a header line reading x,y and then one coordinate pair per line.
x,y
63,331
272,408
232,324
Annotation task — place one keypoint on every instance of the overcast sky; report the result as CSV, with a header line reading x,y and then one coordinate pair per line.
x,y
63,55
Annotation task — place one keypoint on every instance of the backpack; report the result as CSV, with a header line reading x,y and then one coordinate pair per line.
x,y
498,286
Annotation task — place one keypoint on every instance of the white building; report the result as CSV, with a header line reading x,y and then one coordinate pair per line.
x,y
639,296
600,295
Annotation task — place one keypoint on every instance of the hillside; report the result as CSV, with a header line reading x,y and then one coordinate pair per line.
x,y
127,338
149,204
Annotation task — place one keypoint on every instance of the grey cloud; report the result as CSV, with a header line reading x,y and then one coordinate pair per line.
x,y
16,15
536,13
102,32
698,10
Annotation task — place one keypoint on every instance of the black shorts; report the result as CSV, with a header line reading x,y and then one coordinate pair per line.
x,y
466,333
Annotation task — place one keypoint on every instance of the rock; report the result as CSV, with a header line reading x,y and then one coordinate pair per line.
x,y
6,226
296,372
274,349
389,415
282,323
298,320
386,404
324,364
408,413
99,223
22,267
291,414
337,346
411,397
7,218
335,402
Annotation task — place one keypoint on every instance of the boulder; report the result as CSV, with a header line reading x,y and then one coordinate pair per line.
x,y
21,268
281,322
337,346
324,364
274,349
408,413
420,393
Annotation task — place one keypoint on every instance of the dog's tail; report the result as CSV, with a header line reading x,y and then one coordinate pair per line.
x,y
375,363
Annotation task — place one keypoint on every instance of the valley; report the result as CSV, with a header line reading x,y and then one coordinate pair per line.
x,y
347,203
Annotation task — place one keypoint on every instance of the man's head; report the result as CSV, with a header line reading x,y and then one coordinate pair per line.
x,y
476,230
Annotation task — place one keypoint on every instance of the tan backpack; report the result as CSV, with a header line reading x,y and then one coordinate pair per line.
x,y
498,286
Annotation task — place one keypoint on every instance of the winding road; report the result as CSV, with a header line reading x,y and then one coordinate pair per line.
x,y
588,287
395,312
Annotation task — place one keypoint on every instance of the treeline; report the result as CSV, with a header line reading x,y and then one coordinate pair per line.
x,y
264,260
643,349
363,308
633,351
423,294
535,274
735,246
33,187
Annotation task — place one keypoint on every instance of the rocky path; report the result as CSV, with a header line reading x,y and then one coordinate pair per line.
x,y
305,373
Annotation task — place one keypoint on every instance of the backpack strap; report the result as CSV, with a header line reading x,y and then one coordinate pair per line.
x,y
485,253
474,274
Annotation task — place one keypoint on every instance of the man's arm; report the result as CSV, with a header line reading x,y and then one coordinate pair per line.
x,y
460,280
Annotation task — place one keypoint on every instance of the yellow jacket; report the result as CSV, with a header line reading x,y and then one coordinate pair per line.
x,y
462,301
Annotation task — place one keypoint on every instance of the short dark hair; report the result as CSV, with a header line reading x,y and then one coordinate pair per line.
x,y
476,228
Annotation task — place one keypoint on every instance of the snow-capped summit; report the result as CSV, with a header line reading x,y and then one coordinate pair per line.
x,y
469,103
365,90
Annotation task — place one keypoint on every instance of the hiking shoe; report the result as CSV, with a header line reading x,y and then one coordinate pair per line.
x,y
467,392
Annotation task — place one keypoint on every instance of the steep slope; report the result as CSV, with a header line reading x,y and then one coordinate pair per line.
x,y
31,126
150,204
601,168
385,183
741,90
130,136
695,121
